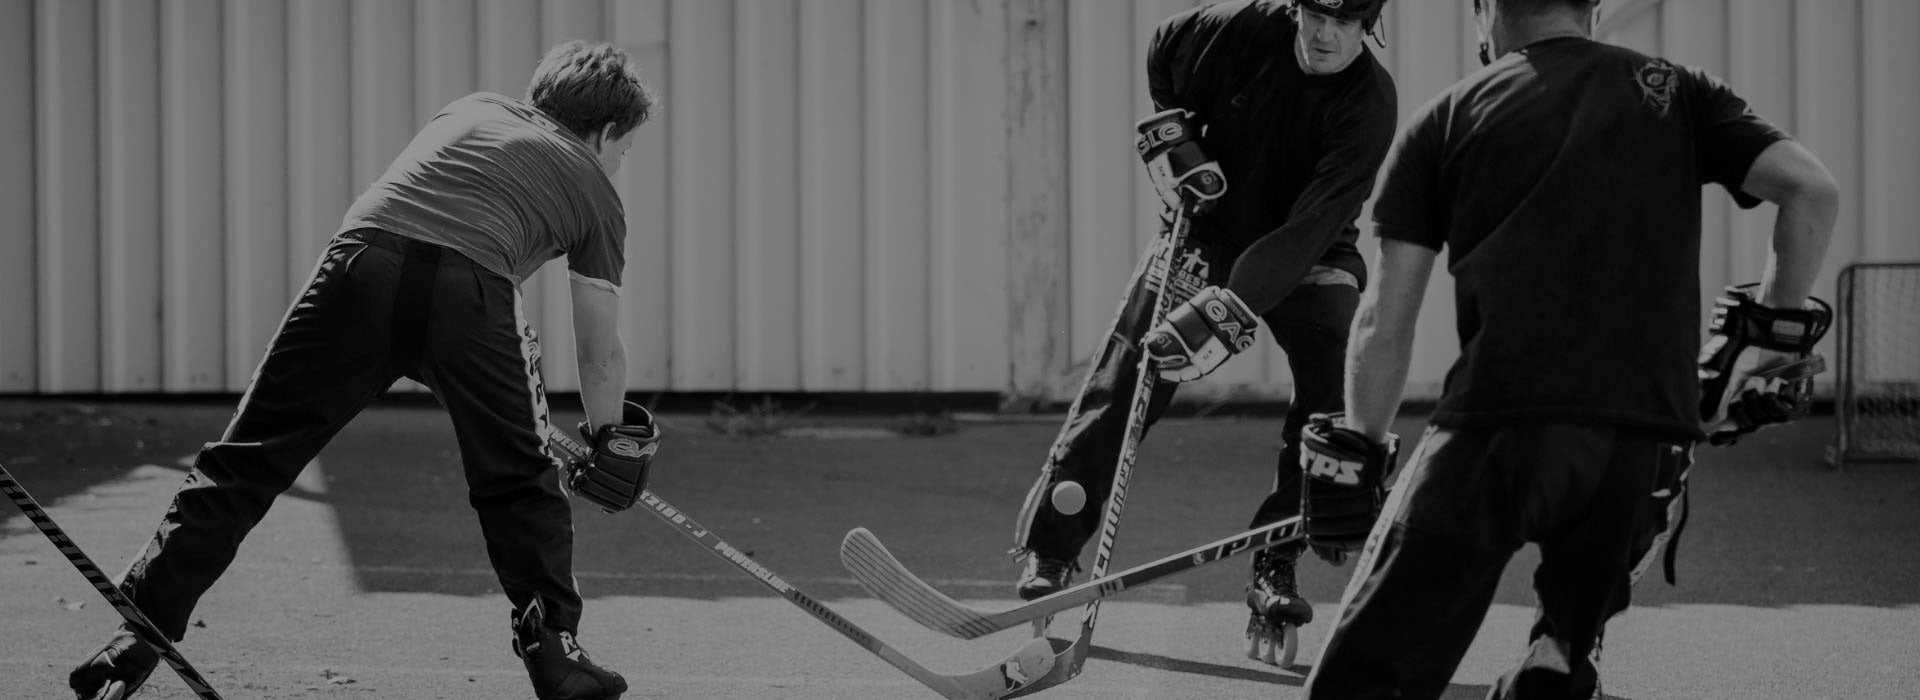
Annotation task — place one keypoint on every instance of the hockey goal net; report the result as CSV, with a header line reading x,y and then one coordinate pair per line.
x,y
1877,385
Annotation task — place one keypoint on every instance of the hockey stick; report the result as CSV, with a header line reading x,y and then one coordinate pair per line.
x,y
1070,658
1024,524
136,620
1666,543
1798,372
996,681
887,578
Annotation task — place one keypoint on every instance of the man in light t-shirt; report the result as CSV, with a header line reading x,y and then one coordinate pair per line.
x,y
422,281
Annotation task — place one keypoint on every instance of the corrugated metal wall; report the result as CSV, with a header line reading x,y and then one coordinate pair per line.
x,y
841,195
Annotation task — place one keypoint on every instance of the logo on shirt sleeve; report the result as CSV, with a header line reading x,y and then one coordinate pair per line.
x,y
1656,85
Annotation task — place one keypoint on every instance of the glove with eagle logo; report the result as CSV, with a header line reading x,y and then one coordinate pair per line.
x,y
615,474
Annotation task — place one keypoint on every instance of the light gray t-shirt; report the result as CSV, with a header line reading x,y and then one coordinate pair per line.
x,y
495,179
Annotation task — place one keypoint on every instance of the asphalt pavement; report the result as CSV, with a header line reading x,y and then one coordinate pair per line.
x,y
369,578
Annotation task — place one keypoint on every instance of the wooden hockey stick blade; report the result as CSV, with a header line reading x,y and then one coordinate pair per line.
x,y
136,620
1030,662
1068,658
886,578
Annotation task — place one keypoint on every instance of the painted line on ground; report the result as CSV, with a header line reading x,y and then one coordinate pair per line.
x,y
1163,593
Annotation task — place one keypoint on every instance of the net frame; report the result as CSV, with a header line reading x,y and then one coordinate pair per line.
x,y
1876,387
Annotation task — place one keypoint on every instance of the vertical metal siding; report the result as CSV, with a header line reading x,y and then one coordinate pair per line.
x,y
1105,97
19,279
255,75
1038,257
896,174
1827,117
765,166
832,320
447,38
69,220
129,197
701,161
1890,227
319,173
839,195
967,188
192,201
646,287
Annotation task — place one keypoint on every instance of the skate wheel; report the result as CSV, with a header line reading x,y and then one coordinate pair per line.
x,y
116,690
1272,646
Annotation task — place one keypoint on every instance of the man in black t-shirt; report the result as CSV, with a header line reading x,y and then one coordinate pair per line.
x,y
1298,115
1564,182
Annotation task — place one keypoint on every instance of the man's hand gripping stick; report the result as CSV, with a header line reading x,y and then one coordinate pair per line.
x,y
614,473
1186,178
1757,366
1033,661
1344,484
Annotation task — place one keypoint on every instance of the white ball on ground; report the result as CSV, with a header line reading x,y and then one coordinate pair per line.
x,y
1069,497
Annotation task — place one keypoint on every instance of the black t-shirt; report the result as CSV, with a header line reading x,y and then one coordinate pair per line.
x,y
1299,151
1565,180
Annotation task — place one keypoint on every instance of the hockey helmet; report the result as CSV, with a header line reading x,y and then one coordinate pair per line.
x,y
1367,11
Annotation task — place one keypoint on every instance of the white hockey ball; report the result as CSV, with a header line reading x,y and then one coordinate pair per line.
x,y
1069,497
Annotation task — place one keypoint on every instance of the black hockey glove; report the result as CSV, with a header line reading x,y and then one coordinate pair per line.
x,y
1343,485
1757,366
1200,335
1186,178
616,473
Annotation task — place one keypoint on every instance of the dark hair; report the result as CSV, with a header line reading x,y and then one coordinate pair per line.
x,y
1536,7
586,85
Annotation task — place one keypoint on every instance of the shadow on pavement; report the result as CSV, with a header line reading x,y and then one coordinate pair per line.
x,y
1297,677
1459,691
1167,663
1770,525
59,448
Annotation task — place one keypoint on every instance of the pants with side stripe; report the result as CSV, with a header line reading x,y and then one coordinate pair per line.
x,y
380,307
1596,498
1310,325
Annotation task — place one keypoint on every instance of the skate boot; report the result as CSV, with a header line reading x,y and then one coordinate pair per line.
x,y
1045,576
115,670
1273,596
559,668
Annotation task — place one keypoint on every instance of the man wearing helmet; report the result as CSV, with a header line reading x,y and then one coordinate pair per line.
x,y
1564,180
1293,112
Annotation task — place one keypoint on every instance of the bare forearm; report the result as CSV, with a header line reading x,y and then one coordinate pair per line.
x,y
599,352
1790,176
1801,232
1377,364
1381,346
603,380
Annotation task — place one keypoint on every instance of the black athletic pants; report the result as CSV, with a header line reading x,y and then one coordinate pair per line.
x,y
1310,325
1594,497
379,307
